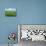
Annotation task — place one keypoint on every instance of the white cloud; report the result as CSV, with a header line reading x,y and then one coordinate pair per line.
x,y
10,9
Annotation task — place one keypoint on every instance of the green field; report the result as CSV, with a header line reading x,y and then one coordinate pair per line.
x,y
10,13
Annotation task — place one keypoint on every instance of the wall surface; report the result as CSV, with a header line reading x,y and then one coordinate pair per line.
x,y
28,12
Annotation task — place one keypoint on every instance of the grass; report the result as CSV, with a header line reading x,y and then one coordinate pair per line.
x,y
10,13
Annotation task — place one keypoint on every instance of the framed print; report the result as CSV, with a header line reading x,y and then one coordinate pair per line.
x,y
10,12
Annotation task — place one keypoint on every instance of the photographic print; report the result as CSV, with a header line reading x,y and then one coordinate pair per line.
x,y
10,12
